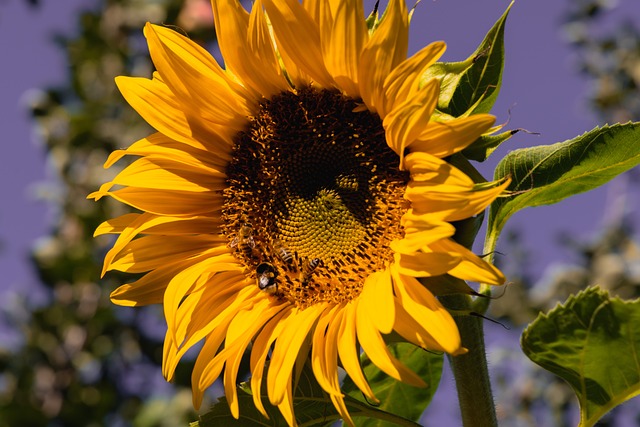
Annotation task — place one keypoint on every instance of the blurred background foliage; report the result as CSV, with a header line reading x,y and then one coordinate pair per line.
x,y
607,54
85,362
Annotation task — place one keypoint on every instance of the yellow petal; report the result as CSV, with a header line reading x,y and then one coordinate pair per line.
x,y
198,56
413,221
331,348
261,43
287,348
331,367
405,123
241,331
376,297
210,154
150,288
453,206
203,313
416,239
164,202
115,225
298,35
442,139
426,264
184,283
322,12
420,304
415,333
150,252
471,266
386,48
207,355
338,402
187,68
259,352
348,351
176,226
344,45
159,107
430,170
320,348
246,323
286,406
225,294
165,174
178,330
375,347
255,64
404,81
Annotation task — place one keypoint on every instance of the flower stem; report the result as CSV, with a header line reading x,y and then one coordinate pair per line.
x,y
470,370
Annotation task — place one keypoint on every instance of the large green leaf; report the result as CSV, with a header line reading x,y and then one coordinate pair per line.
x,y
546,174
396,397
311,405
472,86
593,343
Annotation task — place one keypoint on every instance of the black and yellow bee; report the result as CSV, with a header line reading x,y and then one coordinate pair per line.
x,y
244,240
266,274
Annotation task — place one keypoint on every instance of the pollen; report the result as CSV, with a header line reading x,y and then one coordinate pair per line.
x,y
321,192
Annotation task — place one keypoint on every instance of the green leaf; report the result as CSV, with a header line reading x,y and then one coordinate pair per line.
x,y
396,397
484,146
593,343
546,174
311,406
472,86
220,415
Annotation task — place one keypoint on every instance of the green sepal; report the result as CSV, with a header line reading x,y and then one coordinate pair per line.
x,y
467,230
592,342
472,86
546,174
373,20
397,397
462,163
447,285
484,146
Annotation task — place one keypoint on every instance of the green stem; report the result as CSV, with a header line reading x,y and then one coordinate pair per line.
x,y
481,305
470,370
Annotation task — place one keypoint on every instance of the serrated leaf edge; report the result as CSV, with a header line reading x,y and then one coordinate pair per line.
x,y
591,421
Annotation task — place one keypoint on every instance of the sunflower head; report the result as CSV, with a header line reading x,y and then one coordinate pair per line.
x,y
315,191
290,202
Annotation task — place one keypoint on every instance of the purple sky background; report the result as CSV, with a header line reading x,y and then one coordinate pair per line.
x,y
30,61
541,87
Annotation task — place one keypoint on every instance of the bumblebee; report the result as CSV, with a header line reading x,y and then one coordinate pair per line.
x,y
266,274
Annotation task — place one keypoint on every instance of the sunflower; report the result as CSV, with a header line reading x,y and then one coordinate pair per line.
x,y
291,201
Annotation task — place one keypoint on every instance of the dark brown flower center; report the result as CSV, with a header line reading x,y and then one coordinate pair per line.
x,y
314,196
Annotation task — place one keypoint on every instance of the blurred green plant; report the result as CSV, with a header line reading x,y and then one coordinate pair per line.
x,y
608,55
82,362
